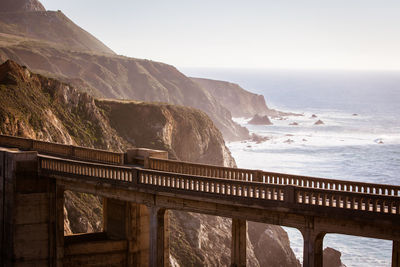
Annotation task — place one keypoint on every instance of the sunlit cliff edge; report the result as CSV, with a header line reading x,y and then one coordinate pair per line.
x,y
38,107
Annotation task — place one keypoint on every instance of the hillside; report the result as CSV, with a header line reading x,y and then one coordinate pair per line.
x,y
120,77
29,19
69,53
240,102
20,5
38,107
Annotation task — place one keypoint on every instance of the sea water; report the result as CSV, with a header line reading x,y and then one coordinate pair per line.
x,y
359,140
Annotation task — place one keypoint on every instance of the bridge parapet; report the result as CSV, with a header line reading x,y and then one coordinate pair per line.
x,y
315,206
76,152
271,177
243,190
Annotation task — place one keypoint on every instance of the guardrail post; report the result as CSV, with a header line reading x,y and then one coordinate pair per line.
x,y
256,176
135,176
238,247
72,151
396,254
290,194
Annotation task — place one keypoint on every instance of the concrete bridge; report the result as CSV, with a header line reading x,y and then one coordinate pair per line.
x,y
141,185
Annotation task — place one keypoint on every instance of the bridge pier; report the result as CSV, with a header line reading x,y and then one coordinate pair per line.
x,y
312,249
29,233
396,254
158,253
238,247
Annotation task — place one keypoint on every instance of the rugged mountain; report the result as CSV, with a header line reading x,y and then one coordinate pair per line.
x,y
121,77
238,101
38,107
62,32
20,6
69,53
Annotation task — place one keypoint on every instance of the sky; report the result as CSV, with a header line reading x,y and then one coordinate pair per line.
x,y
264,34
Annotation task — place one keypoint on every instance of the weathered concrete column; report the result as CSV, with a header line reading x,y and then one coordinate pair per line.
x,y
312,249
29,232
59,223
157,237
138,235
238,247
396,254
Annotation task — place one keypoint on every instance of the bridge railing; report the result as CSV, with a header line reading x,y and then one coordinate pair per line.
x,y
293,196
271,177
86,169
347,200
203,169
76,152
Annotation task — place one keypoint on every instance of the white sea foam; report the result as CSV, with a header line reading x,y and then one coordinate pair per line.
x,y
345,147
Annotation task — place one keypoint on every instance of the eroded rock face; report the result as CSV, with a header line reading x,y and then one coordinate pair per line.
x,y
20,6
112,76
271,245
332,258
240,102
187,133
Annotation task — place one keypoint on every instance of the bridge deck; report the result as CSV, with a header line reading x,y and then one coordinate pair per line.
x,y
315,206
363,209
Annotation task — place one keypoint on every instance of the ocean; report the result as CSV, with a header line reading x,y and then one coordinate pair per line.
x,y
359,140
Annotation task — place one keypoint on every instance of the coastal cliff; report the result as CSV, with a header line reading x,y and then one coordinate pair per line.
x,y
42,108
68,53
240,102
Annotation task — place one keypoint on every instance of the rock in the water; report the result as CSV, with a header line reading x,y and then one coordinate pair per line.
x,y
263,236
258,138
313,116
355,114
260,120
319,122
332,258
294,123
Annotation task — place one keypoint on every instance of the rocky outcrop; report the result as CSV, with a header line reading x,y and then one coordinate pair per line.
x,y
238,101
82,213
68,53
76,118
276,239
20,6
34,106
260,120
319,122
332,258
186,133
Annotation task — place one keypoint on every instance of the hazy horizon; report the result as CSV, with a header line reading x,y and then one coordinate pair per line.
x,y
337,35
